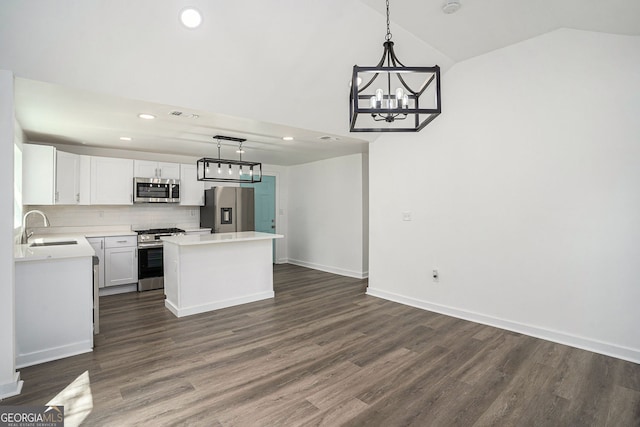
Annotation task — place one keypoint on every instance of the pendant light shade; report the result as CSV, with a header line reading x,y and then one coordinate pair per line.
x,y
392,97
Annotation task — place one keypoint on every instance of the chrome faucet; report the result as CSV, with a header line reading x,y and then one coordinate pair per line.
x,y
25,237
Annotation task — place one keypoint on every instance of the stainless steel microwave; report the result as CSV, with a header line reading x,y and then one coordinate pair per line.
x,y
156,190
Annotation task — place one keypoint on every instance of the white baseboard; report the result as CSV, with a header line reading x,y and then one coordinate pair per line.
x,y
216,305
330,269
49,354
122,289
596,346
12,388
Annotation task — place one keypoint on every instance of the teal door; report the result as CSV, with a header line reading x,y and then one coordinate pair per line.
x,y
265,205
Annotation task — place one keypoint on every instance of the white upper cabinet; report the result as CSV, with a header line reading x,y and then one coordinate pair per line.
x,y
67,178
111,181
50,176
38,174
149,169
191,190
85,180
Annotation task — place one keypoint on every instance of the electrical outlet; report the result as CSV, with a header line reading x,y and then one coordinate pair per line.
x,y
435,275
406,216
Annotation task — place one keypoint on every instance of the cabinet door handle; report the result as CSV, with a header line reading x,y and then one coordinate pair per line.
x,y
78,197
57,196
121,241
159,172
101,244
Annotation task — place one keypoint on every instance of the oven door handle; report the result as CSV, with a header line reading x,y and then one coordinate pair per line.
x,y
149,245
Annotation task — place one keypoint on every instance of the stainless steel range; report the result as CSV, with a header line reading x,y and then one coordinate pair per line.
x,y
150,262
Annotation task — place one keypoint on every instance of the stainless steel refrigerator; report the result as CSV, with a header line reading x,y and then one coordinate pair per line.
x,y
228,209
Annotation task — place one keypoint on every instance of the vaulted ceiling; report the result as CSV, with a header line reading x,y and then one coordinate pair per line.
x,y
259,69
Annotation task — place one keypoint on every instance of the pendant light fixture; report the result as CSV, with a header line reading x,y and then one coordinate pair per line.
x,y
224,170
392,97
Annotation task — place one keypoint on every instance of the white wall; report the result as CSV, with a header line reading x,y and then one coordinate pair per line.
x,y
525,194
326,221
9,378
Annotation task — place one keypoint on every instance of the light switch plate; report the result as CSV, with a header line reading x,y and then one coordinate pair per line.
x,y
406,216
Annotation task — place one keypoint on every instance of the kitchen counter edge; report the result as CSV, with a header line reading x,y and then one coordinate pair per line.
x,y
217,238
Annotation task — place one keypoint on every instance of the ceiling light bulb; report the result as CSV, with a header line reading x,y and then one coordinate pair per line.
x,y
125,138
240,151
230,171
372,102
219,170
240,173
405,101
379,94
146,116
251,171
190,18
399,93
287,138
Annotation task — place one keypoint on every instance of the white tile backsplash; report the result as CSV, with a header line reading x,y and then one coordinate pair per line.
x,y
134,215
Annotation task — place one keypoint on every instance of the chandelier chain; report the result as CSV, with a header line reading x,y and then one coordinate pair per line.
x,y
388,36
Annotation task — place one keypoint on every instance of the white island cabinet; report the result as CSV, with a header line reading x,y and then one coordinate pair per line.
x,y
53,301
204,272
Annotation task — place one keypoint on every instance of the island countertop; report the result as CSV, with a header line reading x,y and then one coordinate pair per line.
x,y
216,238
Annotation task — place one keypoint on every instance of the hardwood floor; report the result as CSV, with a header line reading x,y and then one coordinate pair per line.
x,y
324,353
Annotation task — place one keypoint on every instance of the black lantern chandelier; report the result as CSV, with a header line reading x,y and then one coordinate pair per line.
x,y
225,170
404,99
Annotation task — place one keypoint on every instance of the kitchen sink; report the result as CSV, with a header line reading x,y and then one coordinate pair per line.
x,y
54,243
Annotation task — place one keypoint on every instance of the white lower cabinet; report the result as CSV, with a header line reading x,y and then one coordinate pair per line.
x,y
120,260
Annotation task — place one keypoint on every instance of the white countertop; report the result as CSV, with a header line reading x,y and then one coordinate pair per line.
x,y
208,239
22,253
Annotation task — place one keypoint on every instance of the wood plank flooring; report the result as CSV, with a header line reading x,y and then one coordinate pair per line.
x,y
324,353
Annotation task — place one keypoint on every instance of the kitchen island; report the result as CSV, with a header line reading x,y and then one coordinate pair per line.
x,y
205,272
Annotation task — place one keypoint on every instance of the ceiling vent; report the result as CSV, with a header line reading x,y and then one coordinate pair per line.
x,y
451,6
329,138
176,113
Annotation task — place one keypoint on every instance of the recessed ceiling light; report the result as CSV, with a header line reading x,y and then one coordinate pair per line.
x,y
287,138
125,138
451,6
329,138
146,116
190,18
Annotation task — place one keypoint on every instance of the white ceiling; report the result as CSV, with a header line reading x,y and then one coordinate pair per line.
x,y
258,69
